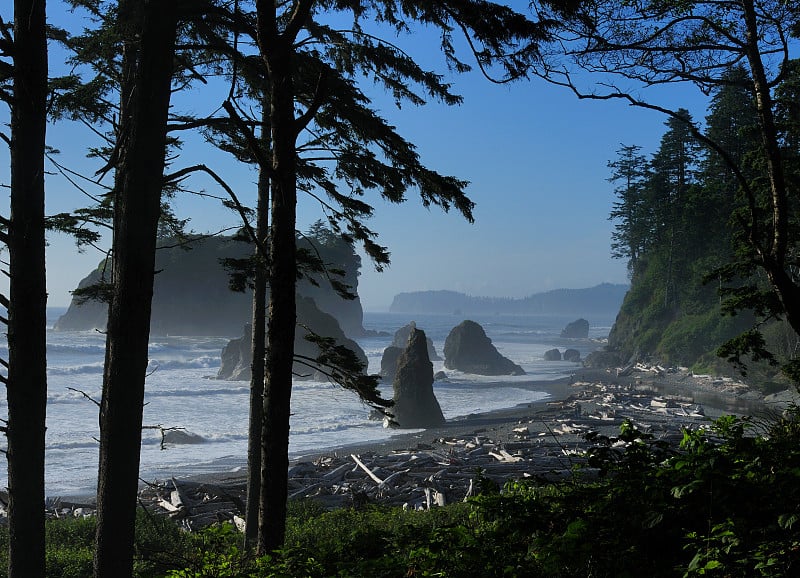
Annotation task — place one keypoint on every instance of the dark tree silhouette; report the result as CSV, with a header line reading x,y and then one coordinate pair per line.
x,y
149,31
26,383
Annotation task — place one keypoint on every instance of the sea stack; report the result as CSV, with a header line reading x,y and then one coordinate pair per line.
x,y
392,353
415,405
578,329
468,349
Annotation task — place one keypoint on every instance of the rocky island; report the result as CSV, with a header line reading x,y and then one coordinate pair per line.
x,y
192,295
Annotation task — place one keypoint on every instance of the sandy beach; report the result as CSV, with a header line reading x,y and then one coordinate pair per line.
x,y
544,439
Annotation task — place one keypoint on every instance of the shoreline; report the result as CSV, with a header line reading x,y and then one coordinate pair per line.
x,y
566,400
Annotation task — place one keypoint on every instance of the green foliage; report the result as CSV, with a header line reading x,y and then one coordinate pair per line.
x,y
695,286
159,543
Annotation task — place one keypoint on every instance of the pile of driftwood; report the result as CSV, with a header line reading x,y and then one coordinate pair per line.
x,y
545,446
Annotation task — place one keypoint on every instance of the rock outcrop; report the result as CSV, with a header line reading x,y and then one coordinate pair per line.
x,y
392,353
415,405
552,355
402,335
578,329
237,355
603,359
572,355
468,349
191,294
389,362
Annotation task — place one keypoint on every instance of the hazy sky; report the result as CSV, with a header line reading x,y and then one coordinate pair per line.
x,y
536,159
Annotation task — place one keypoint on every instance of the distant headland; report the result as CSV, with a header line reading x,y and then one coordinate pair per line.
x,y
604,299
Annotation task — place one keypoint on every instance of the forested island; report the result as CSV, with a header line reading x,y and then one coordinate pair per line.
x,y
601,300
202,286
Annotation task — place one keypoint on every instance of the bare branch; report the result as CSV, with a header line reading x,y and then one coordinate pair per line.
x,y
86,395
239,208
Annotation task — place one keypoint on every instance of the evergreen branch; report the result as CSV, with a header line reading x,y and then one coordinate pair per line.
x,y
251,139
195,238
318,100
239,208
66,173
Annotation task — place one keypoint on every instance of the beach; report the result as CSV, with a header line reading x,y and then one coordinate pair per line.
x,y
543,440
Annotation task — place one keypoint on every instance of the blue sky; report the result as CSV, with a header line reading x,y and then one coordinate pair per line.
x,y
535,156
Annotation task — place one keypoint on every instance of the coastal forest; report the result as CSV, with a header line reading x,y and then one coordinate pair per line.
x,y
708,224
695,297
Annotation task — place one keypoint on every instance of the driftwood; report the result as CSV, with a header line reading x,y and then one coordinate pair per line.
x,y
438,472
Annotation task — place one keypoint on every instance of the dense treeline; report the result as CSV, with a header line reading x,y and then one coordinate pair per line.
x,y
678,224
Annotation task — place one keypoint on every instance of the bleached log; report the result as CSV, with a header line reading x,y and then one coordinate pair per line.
x,y
360,464
336,474
177,497
386,483
167,505
240,524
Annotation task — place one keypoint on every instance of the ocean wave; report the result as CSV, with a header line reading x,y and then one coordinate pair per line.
x,y
198,391
69,396
203,362
76,445
152,437
89,368
79,348
333,427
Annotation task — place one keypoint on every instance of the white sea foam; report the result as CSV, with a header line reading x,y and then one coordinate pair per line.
x,y
181,394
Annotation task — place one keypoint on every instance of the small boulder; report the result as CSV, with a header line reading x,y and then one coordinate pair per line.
x,y
578,329
415,405
439,376
468,349
176,436
552,355
572,355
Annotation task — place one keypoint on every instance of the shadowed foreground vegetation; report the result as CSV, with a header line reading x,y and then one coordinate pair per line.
x,y
724,503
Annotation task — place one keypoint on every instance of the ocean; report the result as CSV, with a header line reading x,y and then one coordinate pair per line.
x,y
182,392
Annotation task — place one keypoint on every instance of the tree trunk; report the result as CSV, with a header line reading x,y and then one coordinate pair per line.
x,y
27,368
137,205
773,255
276,50
258,349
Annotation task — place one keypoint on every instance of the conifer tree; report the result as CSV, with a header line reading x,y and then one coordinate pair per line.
x,y
148,29
631,232
24,234
497,35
